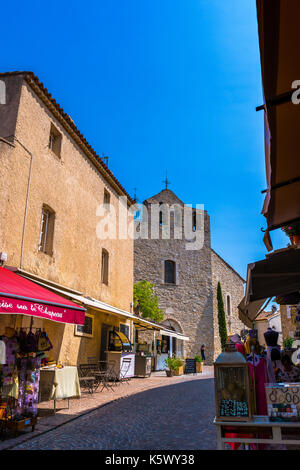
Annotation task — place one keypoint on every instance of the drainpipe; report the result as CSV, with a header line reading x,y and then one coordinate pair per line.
x,y
27,197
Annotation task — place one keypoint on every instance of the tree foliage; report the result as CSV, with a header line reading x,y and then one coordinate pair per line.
x,y
221,317
146,302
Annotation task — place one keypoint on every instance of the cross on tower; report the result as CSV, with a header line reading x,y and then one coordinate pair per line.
x,y
166,181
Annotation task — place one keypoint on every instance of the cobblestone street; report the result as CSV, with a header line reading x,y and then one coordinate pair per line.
x,y
173,416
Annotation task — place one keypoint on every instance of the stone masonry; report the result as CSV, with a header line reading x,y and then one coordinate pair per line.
x,y
190,304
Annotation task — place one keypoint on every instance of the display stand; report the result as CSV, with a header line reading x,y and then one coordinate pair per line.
x,y
258,425
16,426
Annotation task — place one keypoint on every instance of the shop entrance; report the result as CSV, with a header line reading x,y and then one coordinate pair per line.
x,y
104,341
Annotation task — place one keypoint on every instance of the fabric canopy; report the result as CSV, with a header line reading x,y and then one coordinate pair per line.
x,y
278,274
279,41
21,296
248,313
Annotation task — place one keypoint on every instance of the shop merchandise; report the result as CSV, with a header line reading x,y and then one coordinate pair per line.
x,y
20,373
2,352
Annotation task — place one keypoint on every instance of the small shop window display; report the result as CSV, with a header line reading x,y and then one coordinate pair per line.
x,y
232,386
21,356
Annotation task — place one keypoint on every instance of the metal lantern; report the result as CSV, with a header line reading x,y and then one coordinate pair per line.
x,y
232,386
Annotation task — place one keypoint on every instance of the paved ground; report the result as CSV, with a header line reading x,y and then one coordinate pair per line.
x,y
173,414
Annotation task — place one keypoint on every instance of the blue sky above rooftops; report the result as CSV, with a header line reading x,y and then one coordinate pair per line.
x,y
160,85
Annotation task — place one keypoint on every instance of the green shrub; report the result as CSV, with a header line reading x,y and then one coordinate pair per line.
x,y
198,358
173,363
288,343
221,318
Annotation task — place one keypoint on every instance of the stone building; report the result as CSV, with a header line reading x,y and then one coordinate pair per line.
x,y
52,183
186,275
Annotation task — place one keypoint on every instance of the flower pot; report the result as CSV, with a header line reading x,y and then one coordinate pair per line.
x,y
170,373
199,367
179,371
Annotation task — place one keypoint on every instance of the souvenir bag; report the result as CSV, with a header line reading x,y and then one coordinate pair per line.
x,y
44,343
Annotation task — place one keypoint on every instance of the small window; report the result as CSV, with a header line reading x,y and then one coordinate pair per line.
x,y
47,230
160,215
55,139
125,329
194,221
106,199
228,302
104,267
87,329
170,272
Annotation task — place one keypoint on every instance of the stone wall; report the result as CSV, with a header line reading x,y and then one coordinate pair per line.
x,y
189,300
232,285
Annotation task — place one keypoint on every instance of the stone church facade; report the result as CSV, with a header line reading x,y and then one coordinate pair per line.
x,y
186,279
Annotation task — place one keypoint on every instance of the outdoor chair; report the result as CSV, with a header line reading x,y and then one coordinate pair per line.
x,y
124,370
106,374
86,380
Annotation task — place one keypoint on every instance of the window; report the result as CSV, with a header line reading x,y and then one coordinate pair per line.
x,y
125,329
55,139
170,272
194,222
87,329
228,304
47,230
104,267
106,199
160,215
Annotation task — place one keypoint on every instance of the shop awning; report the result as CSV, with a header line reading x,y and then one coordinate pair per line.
x,y
174,334
21,296
276,276
279,40
102,306
93,303
247,314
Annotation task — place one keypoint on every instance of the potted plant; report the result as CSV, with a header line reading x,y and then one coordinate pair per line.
x,y
175,366
288,346
199,364
293,232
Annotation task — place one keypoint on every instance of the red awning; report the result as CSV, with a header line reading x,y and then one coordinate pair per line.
x,y
20,296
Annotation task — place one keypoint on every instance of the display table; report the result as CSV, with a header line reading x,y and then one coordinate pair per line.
x,y
258,425
58,384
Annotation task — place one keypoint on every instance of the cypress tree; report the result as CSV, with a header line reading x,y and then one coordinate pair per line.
x,y
221,317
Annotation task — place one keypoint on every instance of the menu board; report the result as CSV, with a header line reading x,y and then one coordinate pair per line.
x,y
190,366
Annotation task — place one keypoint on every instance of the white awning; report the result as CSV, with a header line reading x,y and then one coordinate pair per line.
x,y
174,334
97,304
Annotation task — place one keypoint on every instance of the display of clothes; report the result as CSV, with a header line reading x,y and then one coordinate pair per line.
x,y
20,371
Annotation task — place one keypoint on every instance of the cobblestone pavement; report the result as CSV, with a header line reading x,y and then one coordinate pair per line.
x,y
171,415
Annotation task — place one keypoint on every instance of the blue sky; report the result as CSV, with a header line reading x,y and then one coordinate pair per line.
x,y
156,85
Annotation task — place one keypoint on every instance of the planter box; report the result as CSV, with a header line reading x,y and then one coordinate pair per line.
x,y
199,367
179,371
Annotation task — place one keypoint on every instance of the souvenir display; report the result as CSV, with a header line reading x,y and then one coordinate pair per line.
x,y
283,401
20,372
233,398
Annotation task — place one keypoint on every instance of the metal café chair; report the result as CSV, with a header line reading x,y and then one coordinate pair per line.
x,y
103,375
124,370
86,379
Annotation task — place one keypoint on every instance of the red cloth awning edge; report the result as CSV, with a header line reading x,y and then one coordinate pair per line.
x,y
24,297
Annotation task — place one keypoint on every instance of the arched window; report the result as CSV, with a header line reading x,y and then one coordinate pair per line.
x,y
228,305
104,267
170,272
